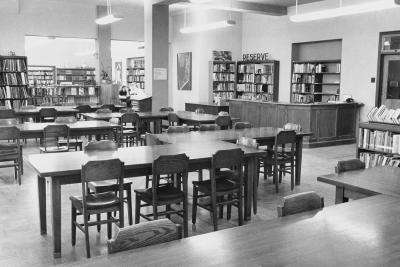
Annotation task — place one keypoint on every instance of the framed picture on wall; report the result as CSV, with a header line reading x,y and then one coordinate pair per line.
x,y
184,65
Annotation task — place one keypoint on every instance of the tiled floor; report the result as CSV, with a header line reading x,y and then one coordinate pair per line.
x,y
21,243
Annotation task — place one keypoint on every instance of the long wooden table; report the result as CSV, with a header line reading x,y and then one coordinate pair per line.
x,y
65,168
363,183
359,233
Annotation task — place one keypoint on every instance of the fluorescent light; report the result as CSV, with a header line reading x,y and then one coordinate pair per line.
x,y
208,26
344,11
199,1
110,18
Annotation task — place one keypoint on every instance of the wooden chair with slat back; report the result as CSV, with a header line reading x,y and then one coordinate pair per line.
x,y
51,136
173,119
165,123
73,142
103,110
11,151
224,122
144,234
166,194
242,125
83,109
47,114
109,106
7,114
178,129
108,186
301,202
349,165
284,141
130,130
107,202
228,184
208,127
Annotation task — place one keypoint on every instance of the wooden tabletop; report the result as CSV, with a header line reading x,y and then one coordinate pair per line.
x,y
70,163
378,180
359,233
142,115
81,125
227,135
33,111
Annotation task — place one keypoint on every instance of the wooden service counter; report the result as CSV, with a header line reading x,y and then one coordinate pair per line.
x,y
330,123
208,108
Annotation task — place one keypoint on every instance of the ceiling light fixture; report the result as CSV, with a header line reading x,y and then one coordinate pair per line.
x,y
343,10
199,1
109,18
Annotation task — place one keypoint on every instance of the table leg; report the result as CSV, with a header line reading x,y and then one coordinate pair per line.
x,y
157,126
56,215
42,204
299,157
339,195
251,171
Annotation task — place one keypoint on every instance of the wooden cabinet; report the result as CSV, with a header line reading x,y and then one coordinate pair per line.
x,y
330,123
208,108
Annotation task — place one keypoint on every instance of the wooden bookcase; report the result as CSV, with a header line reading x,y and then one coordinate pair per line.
x,y
76,76
377,145
258,80
315,81
135,71
41,75
223,79
13,81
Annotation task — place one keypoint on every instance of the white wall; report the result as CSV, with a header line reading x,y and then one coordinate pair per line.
x,y
359,34
201,45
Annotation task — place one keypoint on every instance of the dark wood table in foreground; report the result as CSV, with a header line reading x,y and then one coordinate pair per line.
x,y
359,233
363,183
65,168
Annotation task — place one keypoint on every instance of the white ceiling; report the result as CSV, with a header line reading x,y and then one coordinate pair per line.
x,y
104,2
285,3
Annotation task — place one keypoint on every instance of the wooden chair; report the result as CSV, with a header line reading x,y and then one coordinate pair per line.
x,y
208,127
126,110
178,129
47,114
84,109
349,165
173,119
284,141
7,114
73,142
98,187
165,123
109,106
130,134
166,194
103,110
144,234
51,138
221,184
301,202
242,125
224,122
108,202
11,152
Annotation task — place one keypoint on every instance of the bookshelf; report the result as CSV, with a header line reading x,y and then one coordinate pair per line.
x,y
223,79
13,81
315,81
41,75
76,76
135,71
258,80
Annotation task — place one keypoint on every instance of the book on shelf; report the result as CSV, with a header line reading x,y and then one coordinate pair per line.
x,y
380,141
13,64
385,115
372,160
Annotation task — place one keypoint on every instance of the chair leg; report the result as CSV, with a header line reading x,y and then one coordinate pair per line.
x,y
221,207
73,226
281,168
194,208
109,225
185,217
214,212
229,208
240,207
98,215
137,210
129,202
255,195
275,174
292,175
168,208
155,213
87,239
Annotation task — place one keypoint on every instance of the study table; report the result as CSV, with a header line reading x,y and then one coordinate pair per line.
x,y
359,233
62,111
65,168
363,183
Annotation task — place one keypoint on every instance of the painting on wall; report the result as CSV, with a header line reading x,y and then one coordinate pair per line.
x,y
184,65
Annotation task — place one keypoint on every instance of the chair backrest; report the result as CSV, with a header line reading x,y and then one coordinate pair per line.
x,y
225,122
173,119
285,141
130,117
349,165
199,110
242,125
208,127
292,127
103,110
166,109
10,133
84,108
48,113
7,114
52,133
249,142
66,120
144,234
109,106
301,202
102,145
178,129
5,122
152,140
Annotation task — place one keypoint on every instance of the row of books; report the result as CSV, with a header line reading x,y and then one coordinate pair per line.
x,y
224,67
13,92
76,72
256,68
255,88
298,78
62,91
135,78
316,68
384,114
379,140
13,65
41,82
223,95
136,72
302,88
303,98
40,73
83,100
136,63
136,84
224,87
373,160
224,77
13,79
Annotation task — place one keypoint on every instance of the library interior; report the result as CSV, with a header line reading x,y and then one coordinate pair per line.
x,y
219,132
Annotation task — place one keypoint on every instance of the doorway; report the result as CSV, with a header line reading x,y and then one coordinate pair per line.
x,y
390,93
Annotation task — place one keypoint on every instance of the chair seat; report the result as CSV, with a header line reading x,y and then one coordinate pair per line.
x,y
107,186
54,149
96,201
164,193
228,174
282,158
222,185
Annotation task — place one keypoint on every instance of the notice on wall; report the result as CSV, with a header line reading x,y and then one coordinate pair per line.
x,y
160,74
255,56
